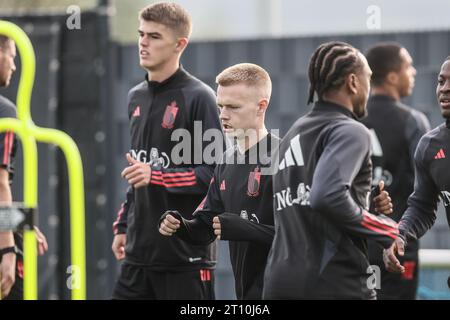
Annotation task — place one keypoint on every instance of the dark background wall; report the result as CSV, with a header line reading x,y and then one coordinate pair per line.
x,y
82,80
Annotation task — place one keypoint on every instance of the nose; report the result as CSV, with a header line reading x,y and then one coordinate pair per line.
x,y
143,41
223,114
13,67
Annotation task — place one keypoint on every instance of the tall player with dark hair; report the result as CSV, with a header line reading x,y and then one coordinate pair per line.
x,y
157,267
396,130
432,179
319,250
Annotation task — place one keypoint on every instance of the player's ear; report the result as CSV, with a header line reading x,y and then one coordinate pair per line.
x,y
181,44
392,78
352,83
262,106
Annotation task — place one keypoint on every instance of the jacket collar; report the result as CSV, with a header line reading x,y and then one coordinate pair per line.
x,y
382,97
322,105
177,75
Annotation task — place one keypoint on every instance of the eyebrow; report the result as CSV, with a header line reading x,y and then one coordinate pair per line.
x,y
150,33
229,105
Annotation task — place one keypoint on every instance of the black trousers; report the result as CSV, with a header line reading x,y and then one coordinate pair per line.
x,y
139,282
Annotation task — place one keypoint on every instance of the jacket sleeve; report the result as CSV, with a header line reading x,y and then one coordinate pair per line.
x,y
120,225
204,117
189,180
345,150
199,230
422,203
7,137
195,231
234,228
6,150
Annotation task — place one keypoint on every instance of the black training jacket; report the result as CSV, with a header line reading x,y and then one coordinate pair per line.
x,y
395,130
321,216
241,195
432,180
155,111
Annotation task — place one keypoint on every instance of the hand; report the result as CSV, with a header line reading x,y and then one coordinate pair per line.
x,y
118,246
169,225
7,273
217,227
41,241
391,262
138,174
383,203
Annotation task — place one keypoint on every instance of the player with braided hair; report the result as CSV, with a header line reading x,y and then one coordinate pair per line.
x,y
319,250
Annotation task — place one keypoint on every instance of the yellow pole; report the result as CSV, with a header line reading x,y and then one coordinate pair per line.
x,y
30,201
77,224
27,131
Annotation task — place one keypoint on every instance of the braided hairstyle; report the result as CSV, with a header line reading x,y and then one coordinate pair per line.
x,y
329,65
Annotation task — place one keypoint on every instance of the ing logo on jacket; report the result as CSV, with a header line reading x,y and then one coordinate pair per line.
x,y
284,197
154,158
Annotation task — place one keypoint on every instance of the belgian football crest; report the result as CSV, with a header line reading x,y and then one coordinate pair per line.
x,y
170,115
254,181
